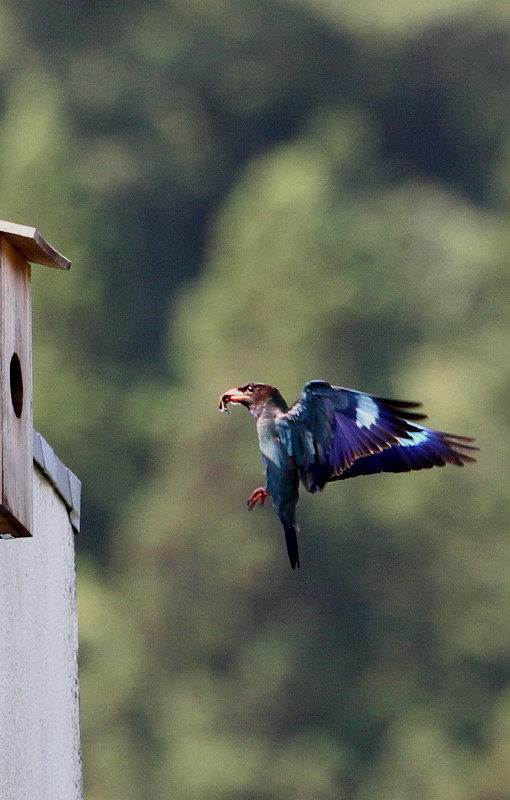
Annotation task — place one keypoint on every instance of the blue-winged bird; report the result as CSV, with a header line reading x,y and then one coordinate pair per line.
x,y
332,433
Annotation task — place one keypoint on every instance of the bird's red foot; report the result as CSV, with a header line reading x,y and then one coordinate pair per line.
x,y
257,496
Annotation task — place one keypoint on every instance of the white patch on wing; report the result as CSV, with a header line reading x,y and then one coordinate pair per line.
x,y
367,412
417,437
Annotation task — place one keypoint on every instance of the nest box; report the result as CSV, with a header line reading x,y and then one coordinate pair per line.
x,y
20,246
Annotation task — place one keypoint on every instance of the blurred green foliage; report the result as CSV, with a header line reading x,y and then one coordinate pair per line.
x,y
273,190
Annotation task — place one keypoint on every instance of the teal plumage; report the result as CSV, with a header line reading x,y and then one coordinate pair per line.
x,y
331,434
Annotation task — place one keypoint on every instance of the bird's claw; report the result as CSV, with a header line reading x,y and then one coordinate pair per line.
x,y
257,496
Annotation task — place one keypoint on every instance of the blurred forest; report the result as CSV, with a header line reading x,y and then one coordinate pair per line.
x,y
273,190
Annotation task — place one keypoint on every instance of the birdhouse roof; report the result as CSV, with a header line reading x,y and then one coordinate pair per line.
x,y
31,245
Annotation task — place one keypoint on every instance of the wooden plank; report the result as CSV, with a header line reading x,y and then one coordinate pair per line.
x,y
11,526
29,242
15,390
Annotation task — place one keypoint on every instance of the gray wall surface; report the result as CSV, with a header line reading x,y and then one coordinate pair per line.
x,y
39,704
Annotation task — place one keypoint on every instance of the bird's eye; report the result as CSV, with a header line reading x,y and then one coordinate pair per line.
x,y
250,387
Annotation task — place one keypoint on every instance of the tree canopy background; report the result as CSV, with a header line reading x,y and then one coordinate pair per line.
x,y
273,190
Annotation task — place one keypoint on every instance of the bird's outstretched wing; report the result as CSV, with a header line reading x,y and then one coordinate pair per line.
x,y
425,449
335,433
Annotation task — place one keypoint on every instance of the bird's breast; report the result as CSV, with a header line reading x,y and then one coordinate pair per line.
x,y
270,444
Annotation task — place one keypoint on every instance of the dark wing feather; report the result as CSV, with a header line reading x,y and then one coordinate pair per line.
x,y
330,430
425,449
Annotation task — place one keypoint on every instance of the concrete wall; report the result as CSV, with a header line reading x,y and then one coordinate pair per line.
x,y
39,714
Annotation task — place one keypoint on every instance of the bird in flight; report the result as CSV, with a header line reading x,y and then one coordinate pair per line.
x,y
332,433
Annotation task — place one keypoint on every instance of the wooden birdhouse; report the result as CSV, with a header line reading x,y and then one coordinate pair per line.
x,y
20,246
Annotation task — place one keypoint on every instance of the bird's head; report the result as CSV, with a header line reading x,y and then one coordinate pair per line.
x,y
254,396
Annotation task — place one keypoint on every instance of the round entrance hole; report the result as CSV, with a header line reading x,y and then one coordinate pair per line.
x,y
16,385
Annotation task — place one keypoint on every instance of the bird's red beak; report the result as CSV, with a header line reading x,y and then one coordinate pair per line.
x,y
231,396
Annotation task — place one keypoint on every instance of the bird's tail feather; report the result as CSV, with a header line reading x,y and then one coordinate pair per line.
x,y
291,531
